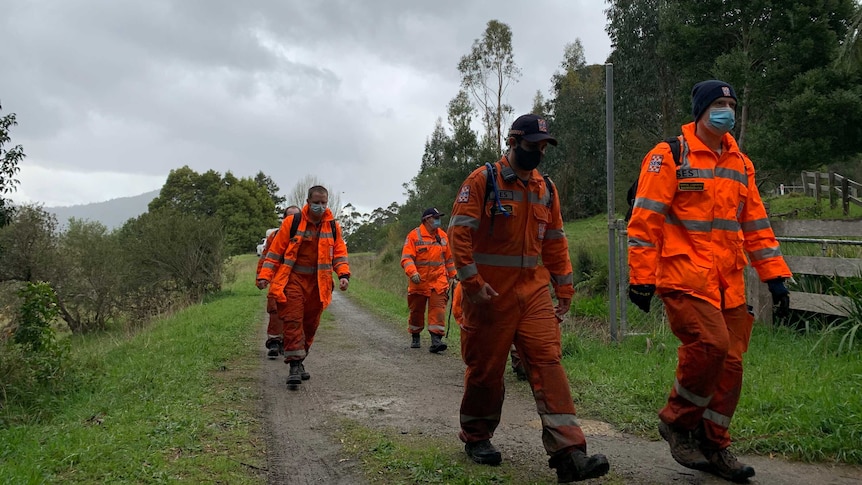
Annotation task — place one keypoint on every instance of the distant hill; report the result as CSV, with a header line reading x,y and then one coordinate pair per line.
x,y
112,213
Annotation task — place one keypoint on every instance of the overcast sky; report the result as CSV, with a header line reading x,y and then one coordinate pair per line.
x,y
111,95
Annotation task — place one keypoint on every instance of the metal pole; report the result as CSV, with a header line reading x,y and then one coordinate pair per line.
x,y
609,137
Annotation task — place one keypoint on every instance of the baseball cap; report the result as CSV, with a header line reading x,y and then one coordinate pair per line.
x,y
432,212
532,128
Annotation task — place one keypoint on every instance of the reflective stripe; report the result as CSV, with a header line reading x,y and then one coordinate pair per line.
x,y
545,200
756,225
559,420
430,263
304,269
520,261
729,173
717,418
271,255
465,272
639,243
693,173
414,327
465,221
555,234
652,205
689,225
294,353
512,195
409,262
340,260
267,264
466,418
566,279
764,253
690,396
725,224
439,328
324,267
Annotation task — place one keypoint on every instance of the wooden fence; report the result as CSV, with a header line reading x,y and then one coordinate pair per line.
x,y
825,184
810,231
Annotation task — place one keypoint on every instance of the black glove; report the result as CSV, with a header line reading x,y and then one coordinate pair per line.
x,y
780,297
641,295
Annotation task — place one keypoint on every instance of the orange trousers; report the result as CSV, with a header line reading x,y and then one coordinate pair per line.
x,y
301,315
436,305
524,316
274,329
708,380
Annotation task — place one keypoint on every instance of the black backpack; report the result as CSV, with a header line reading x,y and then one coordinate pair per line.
x,y
633,190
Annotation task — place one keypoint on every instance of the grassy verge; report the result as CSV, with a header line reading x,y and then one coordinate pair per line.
x,y
174,402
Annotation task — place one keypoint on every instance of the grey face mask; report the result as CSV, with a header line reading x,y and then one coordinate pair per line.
x,y
317,208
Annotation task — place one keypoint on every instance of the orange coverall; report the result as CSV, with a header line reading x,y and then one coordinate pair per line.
x,y
300,271
689,234
429,255
274,329
523,313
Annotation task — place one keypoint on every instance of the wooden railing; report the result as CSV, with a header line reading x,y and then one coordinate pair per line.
x,y
824,184
810,231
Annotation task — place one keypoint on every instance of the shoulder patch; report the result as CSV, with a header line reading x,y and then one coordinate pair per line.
x,y
463,195
655,163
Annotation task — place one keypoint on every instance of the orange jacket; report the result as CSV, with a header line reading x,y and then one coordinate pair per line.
x,y
281,256
457,298
510,254
265,249
429,255
692,225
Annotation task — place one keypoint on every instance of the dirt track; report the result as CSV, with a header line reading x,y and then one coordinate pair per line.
x,y
362,369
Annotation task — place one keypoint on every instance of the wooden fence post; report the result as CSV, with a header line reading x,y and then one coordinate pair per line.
x,y
817,187
833,199
845,195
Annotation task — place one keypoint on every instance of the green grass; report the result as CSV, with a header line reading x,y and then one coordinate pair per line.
x,y
174,402
797,206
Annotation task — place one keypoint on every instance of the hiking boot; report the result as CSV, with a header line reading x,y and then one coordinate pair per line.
x,y
483,453
520,372
415,343
683,447
437,344
274,348
725,465
575,466
303,373
294,377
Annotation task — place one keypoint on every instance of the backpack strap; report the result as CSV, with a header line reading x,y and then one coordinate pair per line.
x,y
675,149
550,186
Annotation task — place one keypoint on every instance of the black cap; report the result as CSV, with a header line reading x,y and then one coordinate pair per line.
x,y
705,92
532,128
432,212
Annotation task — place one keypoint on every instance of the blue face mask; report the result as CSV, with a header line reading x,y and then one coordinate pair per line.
x,y
317,208
435,223
722,119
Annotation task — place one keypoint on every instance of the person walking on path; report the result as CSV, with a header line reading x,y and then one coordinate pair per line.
x,y
274,328
692,226
298,269
427,262
505,219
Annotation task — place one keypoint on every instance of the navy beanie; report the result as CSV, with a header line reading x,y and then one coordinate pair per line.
x,y
705,92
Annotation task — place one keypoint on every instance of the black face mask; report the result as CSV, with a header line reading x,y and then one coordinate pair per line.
x,y
528,160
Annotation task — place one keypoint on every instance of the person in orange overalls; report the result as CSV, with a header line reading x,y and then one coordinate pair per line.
x,y
274,328
427,262
498,236
458,315
299,270
691,228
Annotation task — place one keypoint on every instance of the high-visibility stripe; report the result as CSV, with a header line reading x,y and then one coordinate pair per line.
x,y
324,267
764,253
295,353
430,263
756,225
694,173
439,328
639,243
652,205
555,234
729,173
559,420
339,260
519,261
304,269
725,225
466,221
566,279
409,262
717,418
465,272
414,327
689,225
693,398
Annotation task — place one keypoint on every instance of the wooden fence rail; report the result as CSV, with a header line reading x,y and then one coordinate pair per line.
x,y
820,184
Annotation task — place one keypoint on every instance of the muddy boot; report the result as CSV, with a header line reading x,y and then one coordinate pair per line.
x,y
274,348
575,466
683,447
725,465
415,343
437,344
483,452
294,378
303,373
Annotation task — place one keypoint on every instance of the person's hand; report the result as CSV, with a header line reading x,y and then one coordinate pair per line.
x,y
484,295
780,297
641,295
261,284
416,278
563,305
343,284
